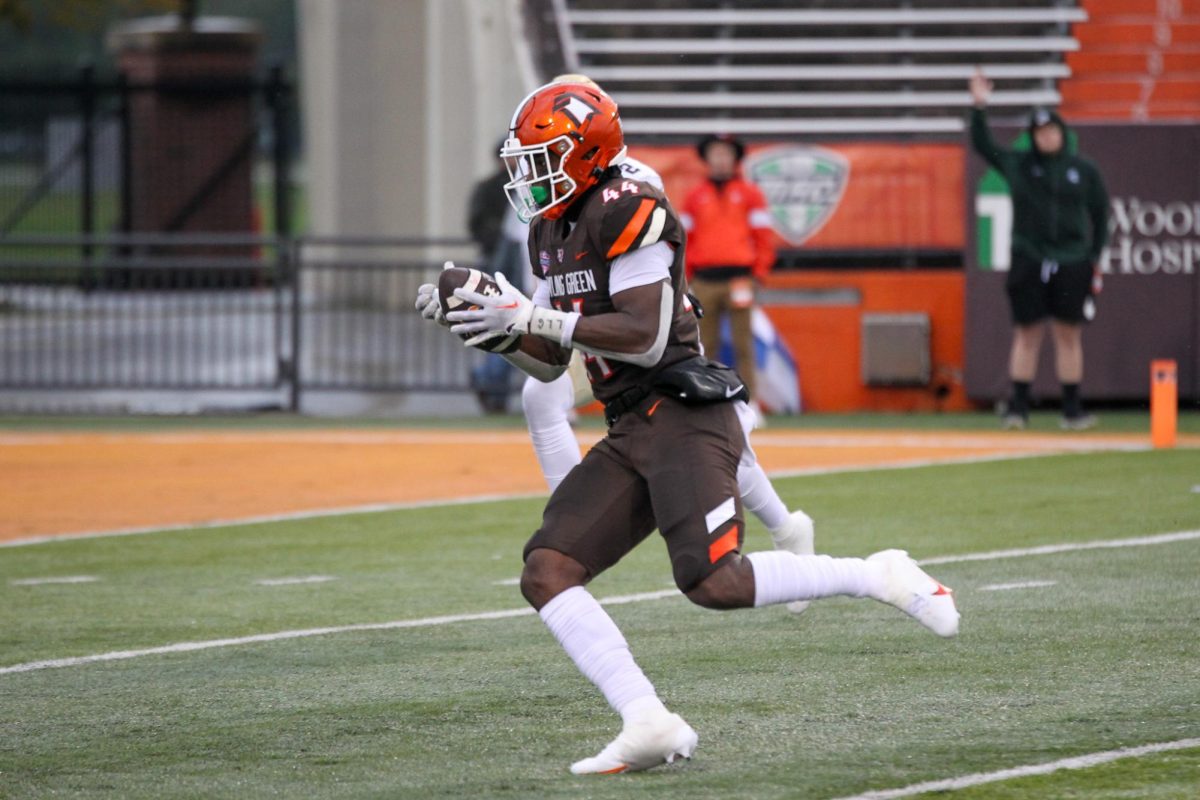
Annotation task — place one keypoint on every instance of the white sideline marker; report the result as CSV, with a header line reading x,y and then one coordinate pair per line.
x,y
1004,587
183,647
979,778
60,579
294,581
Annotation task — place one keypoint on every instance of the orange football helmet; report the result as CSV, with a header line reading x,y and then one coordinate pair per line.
x,y
561,139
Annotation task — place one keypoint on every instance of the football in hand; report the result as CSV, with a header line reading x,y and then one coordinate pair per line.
x,y
475,281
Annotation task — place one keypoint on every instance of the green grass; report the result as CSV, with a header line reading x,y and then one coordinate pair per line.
x,y
850,697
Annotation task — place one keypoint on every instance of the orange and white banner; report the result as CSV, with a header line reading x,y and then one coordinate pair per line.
x,y
848,196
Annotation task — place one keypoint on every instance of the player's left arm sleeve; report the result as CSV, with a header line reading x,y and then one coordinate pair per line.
x,y
1097,204
760,228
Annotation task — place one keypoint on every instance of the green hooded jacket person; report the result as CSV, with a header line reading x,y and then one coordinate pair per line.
x,y
1060,225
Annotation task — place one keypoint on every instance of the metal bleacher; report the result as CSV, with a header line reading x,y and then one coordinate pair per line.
x,y
843,67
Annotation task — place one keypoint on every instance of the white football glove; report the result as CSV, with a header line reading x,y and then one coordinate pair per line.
x,y
509,312
429,304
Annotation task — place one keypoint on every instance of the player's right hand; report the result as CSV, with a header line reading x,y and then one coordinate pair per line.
x,y
981,88
429,304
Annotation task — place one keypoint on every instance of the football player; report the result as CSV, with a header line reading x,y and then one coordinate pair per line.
x,y
548,407
607,253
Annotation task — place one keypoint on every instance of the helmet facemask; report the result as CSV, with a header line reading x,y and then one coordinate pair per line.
x,y
538,181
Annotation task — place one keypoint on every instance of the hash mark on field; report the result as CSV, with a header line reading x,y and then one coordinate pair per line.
x,y
978,778
507,582
1004,587
294,581
61,579
182,647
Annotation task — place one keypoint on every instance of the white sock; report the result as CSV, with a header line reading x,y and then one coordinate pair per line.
x,y
760,497
547,409
596,645
781,577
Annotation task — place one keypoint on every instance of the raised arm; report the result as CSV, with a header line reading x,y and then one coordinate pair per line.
x,y
981,136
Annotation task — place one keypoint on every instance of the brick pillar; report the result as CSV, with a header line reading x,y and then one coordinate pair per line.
x,y
192,149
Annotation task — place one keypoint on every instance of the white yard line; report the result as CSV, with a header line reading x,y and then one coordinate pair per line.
x,y
375,508
1005,587
182,647
978,778
1048,549
58,579
296,580
911,463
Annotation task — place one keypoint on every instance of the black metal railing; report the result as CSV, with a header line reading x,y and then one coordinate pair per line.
x,y
224,312
67,153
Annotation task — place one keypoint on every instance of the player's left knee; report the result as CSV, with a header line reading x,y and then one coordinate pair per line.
x,y
731,586
547,574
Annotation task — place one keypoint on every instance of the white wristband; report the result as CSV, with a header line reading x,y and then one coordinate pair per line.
x,y
557,326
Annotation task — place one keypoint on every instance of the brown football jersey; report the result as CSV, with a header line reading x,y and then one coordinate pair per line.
x,y
574,255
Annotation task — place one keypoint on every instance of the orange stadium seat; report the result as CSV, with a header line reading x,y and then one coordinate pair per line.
x,y
1137,59
1100,91
1099,9
1089,63
1136,34
1163,112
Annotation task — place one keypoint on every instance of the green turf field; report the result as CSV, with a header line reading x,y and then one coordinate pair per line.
x,y
850,697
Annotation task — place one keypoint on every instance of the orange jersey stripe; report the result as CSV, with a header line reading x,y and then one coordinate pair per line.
x,y
632,229
727,542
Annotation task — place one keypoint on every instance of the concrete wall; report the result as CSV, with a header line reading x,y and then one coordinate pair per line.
x,y
403,101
